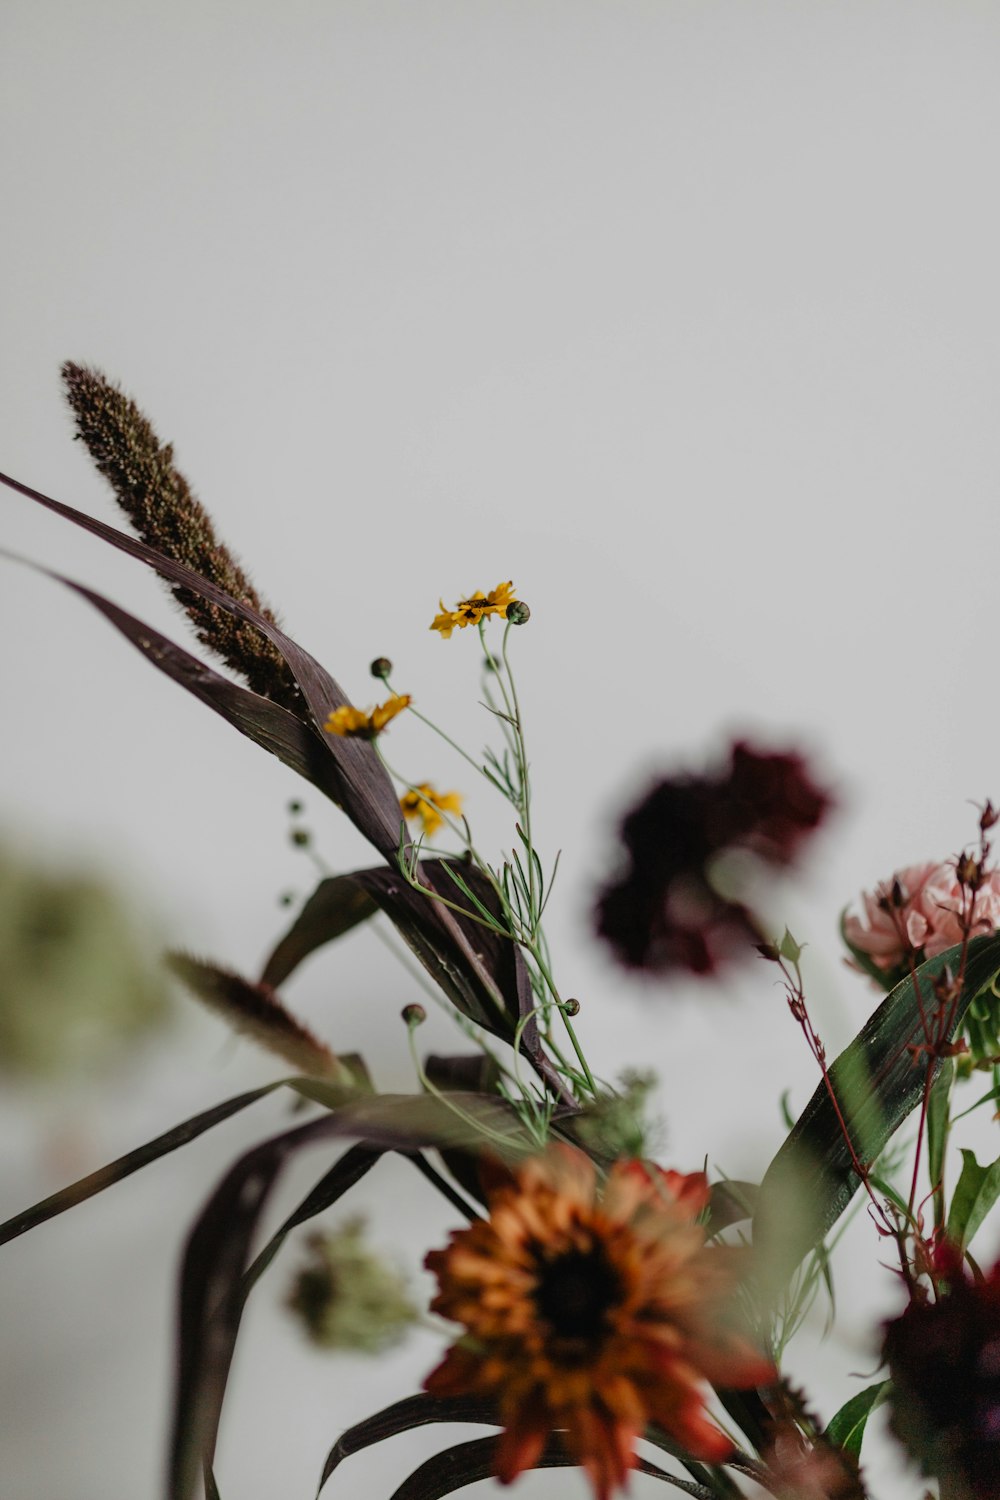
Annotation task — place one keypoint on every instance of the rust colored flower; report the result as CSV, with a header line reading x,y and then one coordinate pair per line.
x,y
944,1359
666,912
592,1314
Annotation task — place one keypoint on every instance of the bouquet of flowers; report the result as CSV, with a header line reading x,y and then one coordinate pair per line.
x,y
595,1299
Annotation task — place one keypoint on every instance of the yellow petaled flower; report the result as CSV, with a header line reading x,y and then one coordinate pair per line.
x,y
478,606
428,805
593,1314
353,723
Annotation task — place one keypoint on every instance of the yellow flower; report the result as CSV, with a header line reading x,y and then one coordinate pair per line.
x,y
478,606
427,805
355,724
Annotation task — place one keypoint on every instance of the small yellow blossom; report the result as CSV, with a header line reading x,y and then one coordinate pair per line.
x,y
478,606
356,724
428,805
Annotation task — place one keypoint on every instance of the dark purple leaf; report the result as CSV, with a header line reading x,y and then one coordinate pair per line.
x,y
366,792
132,1161
466,1463
482,972
335,906
404,1416
216,1258
730,1203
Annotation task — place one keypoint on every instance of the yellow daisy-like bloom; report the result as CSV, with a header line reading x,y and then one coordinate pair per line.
x,y
428,805
478,606
592,1314
354,723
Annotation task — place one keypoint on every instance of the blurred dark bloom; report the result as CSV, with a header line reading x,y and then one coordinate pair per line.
x,y
665,912
944,1359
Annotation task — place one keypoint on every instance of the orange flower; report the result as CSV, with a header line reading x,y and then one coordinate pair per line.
x,y
592,1314
478,606
355,724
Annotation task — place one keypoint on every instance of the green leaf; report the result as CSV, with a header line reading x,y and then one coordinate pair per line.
x,y
789,948
975,1194
811,1179
847,1428
939,1119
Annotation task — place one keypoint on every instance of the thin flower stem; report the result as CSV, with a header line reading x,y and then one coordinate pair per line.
x,y
442,1097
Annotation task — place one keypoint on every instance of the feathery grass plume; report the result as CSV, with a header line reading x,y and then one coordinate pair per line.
x,y
161,507
255,1010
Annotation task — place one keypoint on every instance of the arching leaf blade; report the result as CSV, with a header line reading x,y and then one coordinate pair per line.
x,y
811,1179
132,1161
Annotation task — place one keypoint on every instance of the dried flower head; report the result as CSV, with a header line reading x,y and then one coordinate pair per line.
x,y
165,513
944,1359
592,1313
478,606
356,724
346,1298
428,805
667,910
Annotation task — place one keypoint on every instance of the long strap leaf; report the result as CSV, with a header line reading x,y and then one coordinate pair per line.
x,y
877,1082
216,1257
367,795
132,1161
466,1463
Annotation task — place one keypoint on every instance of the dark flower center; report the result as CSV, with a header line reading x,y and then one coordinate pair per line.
x,y
575,1294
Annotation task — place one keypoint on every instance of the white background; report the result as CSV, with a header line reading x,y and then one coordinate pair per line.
x,y
683,316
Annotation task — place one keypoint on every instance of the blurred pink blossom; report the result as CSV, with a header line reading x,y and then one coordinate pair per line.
x,y
930,914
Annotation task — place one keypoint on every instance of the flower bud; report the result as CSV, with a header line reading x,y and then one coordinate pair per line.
x,y
518,612
381,668
414,1015
300,837
571,1007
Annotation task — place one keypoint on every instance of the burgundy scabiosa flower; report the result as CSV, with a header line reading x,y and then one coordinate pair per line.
x,y
665,912
944,1359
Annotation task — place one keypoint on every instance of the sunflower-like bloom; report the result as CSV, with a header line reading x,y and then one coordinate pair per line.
x,y
478,606
355,724
592,1314
428,805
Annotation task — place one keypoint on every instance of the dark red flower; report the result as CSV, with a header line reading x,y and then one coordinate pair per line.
x,y
665,912
944,1359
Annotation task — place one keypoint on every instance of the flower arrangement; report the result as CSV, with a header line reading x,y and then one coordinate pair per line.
x,y
599,1306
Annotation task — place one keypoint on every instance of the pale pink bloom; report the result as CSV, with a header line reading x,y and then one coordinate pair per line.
x,y
930,915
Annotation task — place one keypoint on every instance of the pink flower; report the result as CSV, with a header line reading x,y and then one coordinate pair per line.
x,y
929,918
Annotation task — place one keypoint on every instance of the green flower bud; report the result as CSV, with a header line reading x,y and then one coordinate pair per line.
x,y
518,612
414,1015
381,668
78,982
346,1298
